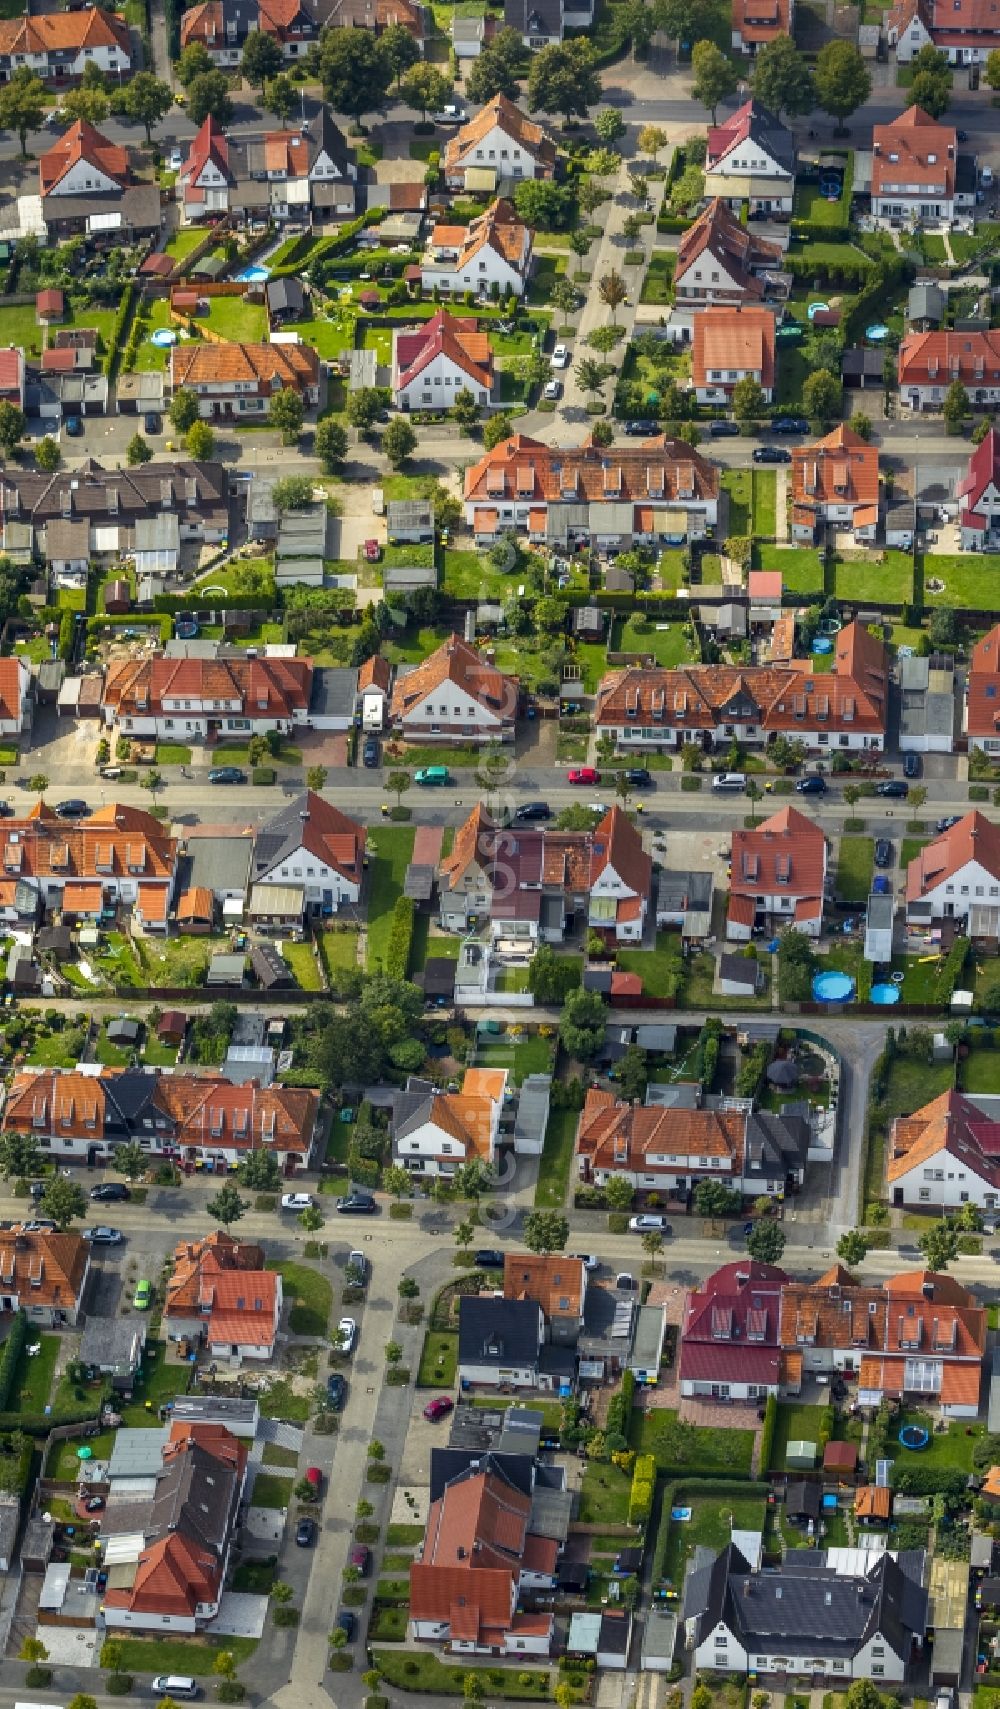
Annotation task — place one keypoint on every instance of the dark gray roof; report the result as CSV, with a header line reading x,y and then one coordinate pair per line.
x,y
551,1512
112,1344
771,134
139,207
195,1495
616,1629
739,969
683,892
498,1332
533,1107
775,1142
270,966
803,1500
448,1465
334,690
281,836
862,361
534,17
439,976
217,863
123,1030
114,495
285,296
926,301
418,884
965,175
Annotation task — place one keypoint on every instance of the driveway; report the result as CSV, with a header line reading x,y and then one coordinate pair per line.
x,y
240,1615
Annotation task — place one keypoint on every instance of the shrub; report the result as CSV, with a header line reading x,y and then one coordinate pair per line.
x,y
230,1691
118,1684
620,1408
397,958
640,1501
11,1355
767,1431
285,1616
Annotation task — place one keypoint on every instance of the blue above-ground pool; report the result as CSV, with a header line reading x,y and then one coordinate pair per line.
x,y
877,333
815,309
885,994
822,644
253,275
163,337
833,987
829,1503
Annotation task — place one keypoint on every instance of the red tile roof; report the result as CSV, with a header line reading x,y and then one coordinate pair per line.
x,y
938,358
840,469
973,838
948,1127
785,856
667,470
736,340
261,688
501,114
83,142
761,20
265,368
614,1135
48,33
617,846
209,145
914,156
444,335
732,245
458,663
983,688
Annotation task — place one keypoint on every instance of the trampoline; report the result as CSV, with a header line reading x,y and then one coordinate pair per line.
x,y
187,630
914,1437
833,987
822,644
885,995
830,625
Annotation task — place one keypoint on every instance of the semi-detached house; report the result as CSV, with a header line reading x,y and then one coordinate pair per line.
x,y
220,1295
668,1149
432,364
946,1154
751,159
979,493
241,379
929,362
435,1132
729,1344
222,27
58,46
721,261
44,1274
501,140
87,185
835,481
965,31
729,345
118,855
454,696
180,698
778,875
956,878
313,845
914,165
490,256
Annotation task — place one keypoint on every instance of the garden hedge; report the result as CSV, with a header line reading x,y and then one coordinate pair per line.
x,y
640,1501
10,1357
767,1431
397,956
720,1489
620,1407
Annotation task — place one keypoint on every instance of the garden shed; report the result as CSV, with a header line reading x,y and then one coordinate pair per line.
x,y
800,1456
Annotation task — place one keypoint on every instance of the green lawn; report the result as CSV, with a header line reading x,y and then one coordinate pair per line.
x,y
521,1057
913,1083
235,318
702,1450
51,1053
172,753
874,577
19,326
855,867
153,314
557,1160
183,240
330,338
416,1670
661,969
738,483
112,1055
946,1448
667,643
181,961
63,1463
801,567
794,1424
604,1495
413,645
181,1655
157,1382
438,1360
338,951
310,1294
980,1071
969,579
711,1524
31,1390
670,569
390,850
765,497
271,1491
302,961
909,849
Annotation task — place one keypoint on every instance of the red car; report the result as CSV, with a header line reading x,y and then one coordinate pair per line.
x,y
583,774
439,1408
314,1478
373,551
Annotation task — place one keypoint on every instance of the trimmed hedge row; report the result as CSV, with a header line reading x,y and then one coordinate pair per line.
x,y
329,247
397,955
13,1347
767,1432
620,1407
117,339
172,603
42,1423
696,1486
640,1501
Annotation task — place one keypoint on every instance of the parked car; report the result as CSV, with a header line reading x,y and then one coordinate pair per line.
x,y
372,551
176,160
347,1622
946,824
227,774
641,429
360,1557
552,391
336,1390
296,1201
305,1533
314,1478
559,357
647,1222
583,774
152,423
109,1192
40,1225
811,785
723,429
626,1283
489,1258
370,752
347,1330
639,776
532,810
771,454
142,1299
589,1261
176,1684
95,1504
790,424
439,1408
73,426
883,852
6,810
894,787
357,1204
102,1235
357,1265
452,114
911,765
73,808
433,777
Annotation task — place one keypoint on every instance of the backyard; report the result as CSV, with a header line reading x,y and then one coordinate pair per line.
x,y
801,567
875,578
710,1525
556,1160
310,1294
702,1449
661,969
390,850
668,644
855,867
970,579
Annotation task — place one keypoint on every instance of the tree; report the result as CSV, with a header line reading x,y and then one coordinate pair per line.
x,y
633,1074
225,1665
593,194
545,1231
399,783
495,431
939,1246
330,443
137,451
619,1193
393,1352
861,424
47,454
540,203
766,1242
397,1181
38,783
466,411
400,49
590,375
316,777
821,393
716,1199
564,78
864,1694
610,126
260,1171
183,410
956,404
22,105
208,97
497,71
782,80
113,1656
226,1207
748,399
399,441
200,441
19,1158
425,88
82,1700
715,76
931,92
551,977
262,58
651,140
612,291
980,430
12,423
638,183
842,81
365,405
130,1160
473,1689
63,1201
991,70
652,1245
194,62
287,413
33,1650
581,1024
918,796
85,103
147,99
943,630
852,1248
355,70
281,98
631,227
465,1234
638,22
292,493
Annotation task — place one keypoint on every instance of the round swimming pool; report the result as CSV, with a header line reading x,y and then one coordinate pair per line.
x,y
914,1436
163,337
885,995
822,644
832,987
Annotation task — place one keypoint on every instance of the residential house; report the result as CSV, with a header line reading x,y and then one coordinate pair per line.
x,y
308,174
835,481
668,1148
490,256
557,1283
502,1345
176,699
374,684
478,1551
929,362
751,158
819,1613
721,261
222,27
241,379
927,704
454,696
908,28
729,1344
88,186
432,364
964,31
434,1132
44,1274
616,496
206,178
981,718
778,876
539,23
220,1295
979,493
913,171
58,46
176,1582
712,705
956,878
311,845
118,855
946,1154
15,695
376,15
757,22
111,501
501,140
729,345
12,375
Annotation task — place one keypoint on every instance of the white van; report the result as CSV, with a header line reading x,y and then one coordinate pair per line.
x,y
730,780
176,1685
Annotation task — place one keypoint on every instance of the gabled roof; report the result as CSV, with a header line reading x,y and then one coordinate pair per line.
x,y
953,1126
983,473
972,838
271,688
499,229
498,1332
83,142
376,672
730,1325
265,367
458,663
752,123
840,469
665,471
60,33
317,827
983,686
737,338
938,358
902,13
614,1134
555,1281
43,1268
504,115
209,145
445,335
913,154
762,20
735,247
786,855
618,845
